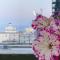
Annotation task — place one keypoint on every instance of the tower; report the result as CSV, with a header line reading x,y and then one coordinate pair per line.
x,y
55,7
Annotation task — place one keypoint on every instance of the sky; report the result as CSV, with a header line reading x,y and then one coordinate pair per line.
x,y
20,12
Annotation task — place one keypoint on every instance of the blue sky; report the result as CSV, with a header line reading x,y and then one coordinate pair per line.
x,y
19,12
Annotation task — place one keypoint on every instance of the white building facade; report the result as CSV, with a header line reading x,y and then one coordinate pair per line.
x,y
11,36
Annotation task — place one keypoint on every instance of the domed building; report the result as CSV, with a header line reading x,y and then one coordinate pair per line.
x,y
10,28
10,35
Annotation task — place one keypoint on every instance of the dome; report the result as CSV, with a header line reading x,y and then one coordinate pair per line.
x,y
29,29
10,28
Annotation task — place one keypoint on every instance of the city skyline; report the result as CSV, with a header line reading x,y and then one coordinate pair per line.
x,y
20,12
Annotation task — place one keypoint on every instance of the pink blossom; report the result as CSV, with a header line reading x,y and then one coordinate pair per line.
x,y
47,43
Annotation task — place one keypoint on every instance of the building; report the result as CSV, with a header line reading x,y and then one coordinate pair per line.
x,y
10,28
12,36
55,6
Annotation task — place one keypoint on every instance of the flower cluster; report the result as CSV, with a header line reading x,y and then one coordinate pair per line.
x,y
47,43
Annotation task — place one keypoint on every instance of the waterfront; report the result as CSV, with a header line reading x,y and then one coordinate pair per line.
x,y
17,51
